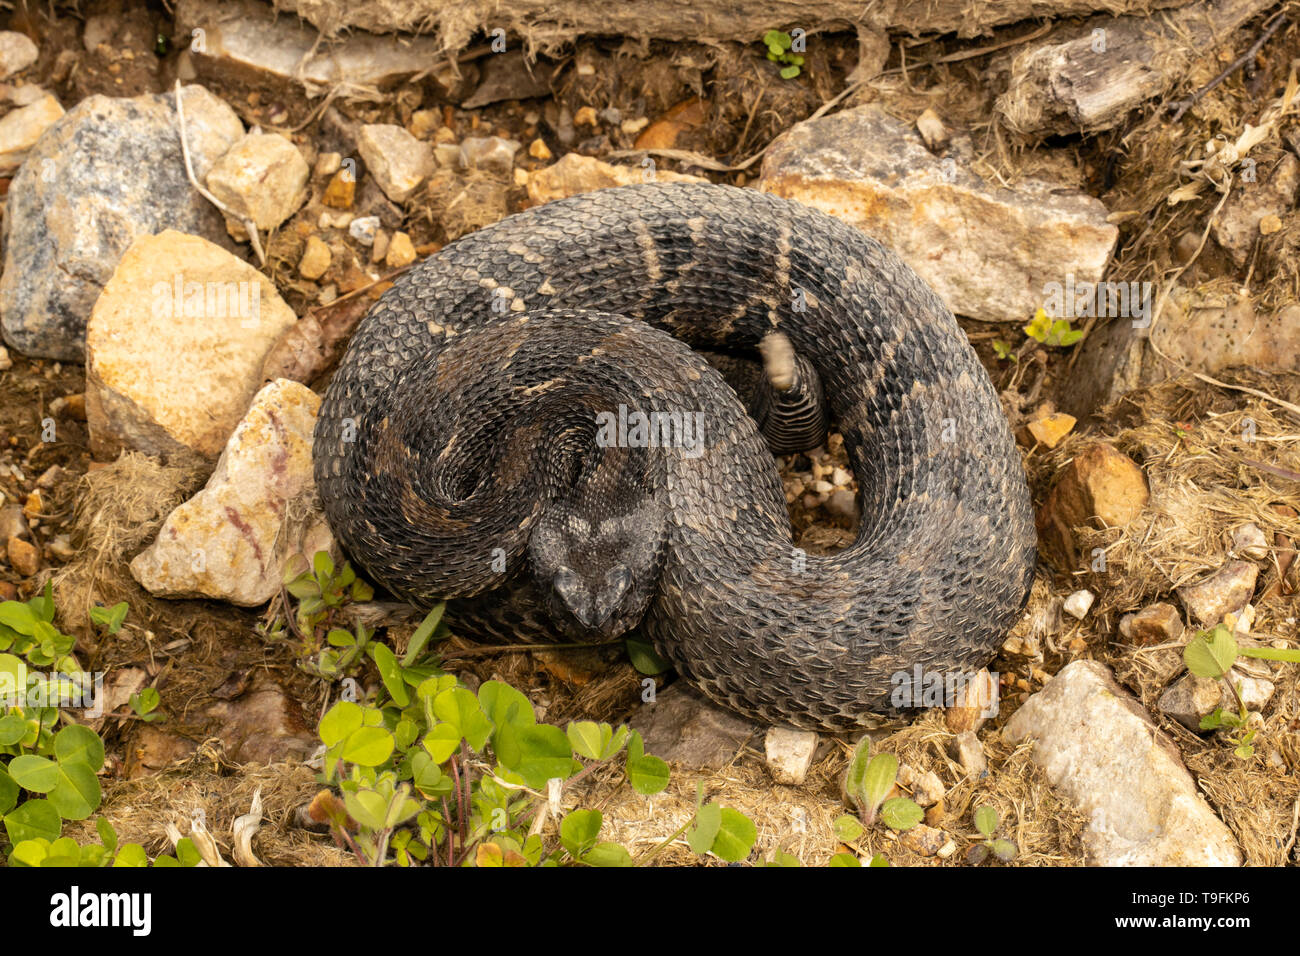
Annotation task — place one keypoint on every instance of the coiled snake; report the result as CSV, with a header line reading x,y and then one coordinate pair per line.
x,y
520,424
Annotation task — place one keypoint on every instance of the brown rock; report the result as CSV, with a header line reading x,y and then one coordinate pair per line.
x,y
315,259
1227,590
24,558
923,840
1156,624
1100,486
575,174
683,727
1049,430
974,702
341,191
967,750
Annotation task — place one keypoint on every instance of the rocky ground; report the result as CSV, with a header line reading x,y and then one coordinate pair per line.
x,y
201,203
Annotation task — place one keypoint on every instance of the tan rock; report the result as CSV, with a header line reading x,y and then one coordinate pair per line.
x,y
538,149
1099,485
315,259
17,53
923,840
974,702
232,540
492,154
21,128
1158,623
988,251
967,750
575,174
1121,772
261,177
1049,430
401,251
24,557
398,161
585,116
341,191
1227,590
789,754
180,319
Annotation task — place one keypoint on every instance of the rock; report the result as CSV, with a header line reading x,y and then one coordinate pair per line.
x,y
1050,429
13,523
1204,331
424,123
109,171
586,116
1227,590
681,726
933,132
179,314
506,76
575,174
790,754
246,43
401,251
262,725
1099,484
398,161
153,749
1249,542
231,540
263,178
6,363
1122,772
966,749
539,150
923,840
315,259
364,229
842,503
379,248
973,702
927,789
1078,603
988,251
1158,623
17,53
24,557
1192,697
492,154
21,128
341,191
1240,222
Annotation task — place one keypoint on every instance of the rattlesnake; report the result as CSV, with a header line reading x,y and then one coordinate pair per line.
x,y
459,451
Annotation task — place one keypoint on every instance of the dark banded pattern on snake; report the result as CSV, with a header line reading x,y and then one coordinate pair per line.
x,y
464,410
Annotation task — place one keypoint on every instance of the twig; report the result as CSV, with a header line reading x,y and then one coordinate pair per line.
x,y
971,54
189,171
516,648
1276,23
1286,473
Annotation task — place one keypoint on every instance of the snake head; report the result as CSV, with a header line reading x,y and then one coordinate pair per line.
x,y
598,576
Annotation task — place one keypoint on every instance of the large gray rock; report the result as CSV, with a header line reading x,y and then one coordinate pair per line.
x,y
109,171
991,253
1101,750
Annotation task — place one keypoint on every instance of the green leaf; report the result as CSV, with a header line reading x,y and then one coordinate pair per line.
x,y
13,728
37,774
1271,653
879,860
43,604
341,720
736,836
107,835
442,741
607,854
18,616
77,744
789,72
1004,850
1213,720
30,853
900,813
844,859
131,854
544,753
877,781
422,634
1211,653
323,565
145,702
8,792
595,741
579,831
187,854
367,807
368,746
390,672
708,821
847,828
340,637
77,794
643,657
856,774
986,820
110,618
504,705
461,709
35,819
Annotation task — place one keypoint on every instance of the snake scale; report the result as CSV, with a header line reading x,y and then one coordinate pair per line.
x,y
483,441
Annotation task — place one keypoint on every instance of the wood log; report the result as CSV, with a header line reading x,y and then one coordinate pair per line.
x,y
1088,77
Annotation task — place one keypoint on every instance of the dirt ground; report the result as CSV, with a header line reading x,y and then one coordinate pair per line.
x,y
232,697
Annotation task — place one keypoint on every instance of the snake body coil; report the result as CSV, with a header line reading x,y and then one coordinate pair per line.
x,y
484,436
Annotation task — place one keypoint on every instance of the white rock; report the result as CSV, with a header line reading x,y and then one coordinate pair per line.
x,y
490,153
364,229
988,251
1192,697
261,177
17,53
1078,603
21,128
398,161
175,346
231,540
1249,542
1099,748
790,754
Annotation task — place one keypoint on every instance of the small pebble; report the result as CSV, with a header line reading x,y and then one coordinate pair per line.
x,y
1078,603
363,230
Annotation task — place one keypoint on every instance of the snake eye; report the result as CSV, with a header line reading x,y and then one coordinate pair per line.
x,y
617,581
568,585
